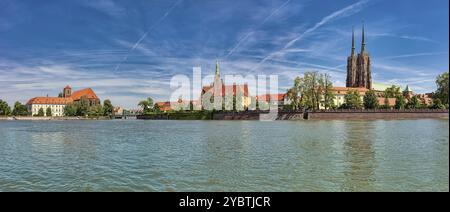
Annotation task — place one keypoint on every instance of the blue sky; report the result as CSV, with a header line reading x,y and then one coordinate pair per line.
x,y
128,50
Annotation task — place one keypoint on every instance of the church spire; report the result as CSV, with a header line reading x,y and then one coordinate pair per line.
x,y
353,41
217,68
217,79
363,45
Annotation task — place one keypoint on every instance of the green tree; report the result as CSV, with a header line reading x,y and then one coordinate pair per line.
x,y
253,103
294,94
5,110
352,100
41,112
437,104
70,110
228,102
293,97
95,111
442,88
392,92
326,88
108,108
370,100
150,102
48,112
146,105
191,106
312,89
413,103
82,106
156,108
19,109
400,102
256,104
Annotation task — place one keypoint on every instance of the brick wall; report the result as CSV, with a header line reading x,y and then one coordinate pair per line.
x,y
379,114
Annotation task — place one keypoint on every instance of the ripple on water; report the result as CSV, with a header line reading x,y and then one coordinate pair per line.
x,y
381,155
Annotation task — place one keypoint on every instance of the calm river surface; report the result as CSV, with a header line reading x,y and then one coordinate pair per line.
x,y
381,155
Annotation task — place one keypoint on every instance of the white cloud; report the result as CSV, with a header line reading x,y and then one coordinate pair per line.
x,y
108,7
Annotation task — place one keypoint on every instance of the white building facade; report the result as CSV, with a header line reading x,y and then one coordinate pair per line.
x,y
56,105
57,109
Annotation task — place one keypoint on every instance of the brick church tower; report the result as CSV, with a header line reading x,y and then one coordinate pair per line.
x,y
67,92
359,73
351,64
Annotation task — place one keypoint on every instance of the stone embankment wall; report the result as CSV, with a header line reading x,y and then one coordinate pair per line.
x,y
254,115
378,114
316,115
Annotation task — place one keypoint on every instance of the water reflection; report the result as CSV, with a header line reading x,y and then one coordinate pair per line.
x,y
360,163
224,154
406,155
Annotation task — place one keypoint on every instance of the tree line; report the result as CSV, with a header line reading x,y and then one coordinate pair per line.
x,y
311,91
84,108
314,90
18,110
80,108
148,106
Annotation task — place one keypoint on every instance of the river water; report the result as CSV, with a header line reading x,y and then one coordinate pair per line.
x,y
133,155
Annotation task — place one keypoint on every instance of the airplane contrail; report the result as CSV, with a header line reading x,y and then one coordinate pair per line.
x,y
349,10
146,33
259,25
344,12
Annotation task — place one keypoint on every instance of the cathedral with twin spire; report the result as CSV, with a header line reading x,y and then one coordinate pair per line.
x,y
358,66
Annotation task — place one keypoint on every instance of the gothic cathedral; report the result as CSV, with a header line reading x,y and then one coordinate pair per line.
x,y
358,66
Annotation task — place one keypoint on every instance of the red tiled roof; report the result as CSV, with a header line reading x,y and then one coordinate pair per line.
x,y
88,93
164,106
167,106
267,97
228,88
50,101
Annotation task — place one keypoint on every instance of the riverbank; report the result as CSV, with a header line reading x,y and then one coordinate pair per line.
x,y
259,115
35,118
314,115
